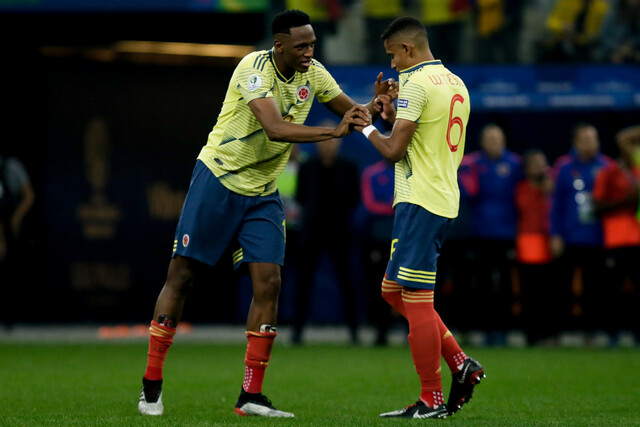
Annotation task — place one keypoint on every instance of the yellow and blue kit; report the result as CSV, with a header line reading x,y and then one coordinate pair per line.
x,y
233,198
427,195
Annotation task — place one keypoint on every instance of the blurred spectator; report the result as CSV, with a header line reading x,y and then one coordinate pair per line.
x,y
536,276
456,276
490,186
378,15
328,192
445,20
621,34
615,195
576,234
288,186
376,185
498,24
575,28
16,199
323,14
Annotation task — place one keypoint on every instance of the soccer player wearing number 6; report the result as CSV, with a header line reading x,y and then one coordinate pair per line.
x,y
427,144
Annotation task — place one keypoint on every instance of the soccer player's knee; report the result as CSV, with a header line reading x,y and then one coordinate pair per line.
x,y
269,287
388,297
180,280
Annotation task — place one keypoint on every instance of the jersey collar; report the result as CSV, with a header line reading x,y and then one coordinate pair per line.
x,y
422,64
278,73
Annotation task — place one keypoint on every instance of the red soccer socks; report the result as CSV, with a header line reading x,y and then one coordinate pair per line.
x,y
451,351
424,341
160,339
392,294
257,359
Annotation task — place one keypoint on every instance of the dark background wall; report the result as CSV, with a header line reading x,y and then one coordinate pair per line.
x,y
110,147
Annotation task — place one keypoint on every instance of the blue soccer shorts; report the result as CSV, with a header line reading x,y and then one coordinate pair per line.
x,y
214,218
416,242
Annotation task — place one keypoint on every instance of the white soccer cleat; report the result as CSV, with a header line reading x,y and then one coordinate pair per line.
x,y
150,408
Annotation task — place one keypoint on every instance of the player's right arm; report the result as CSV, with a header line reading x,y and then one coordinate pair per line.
x,y
393,147
268,114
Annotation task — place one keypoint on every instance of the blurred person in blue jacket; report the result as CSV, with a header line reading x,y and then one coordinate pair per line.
x,y
489,182
576,232
376,188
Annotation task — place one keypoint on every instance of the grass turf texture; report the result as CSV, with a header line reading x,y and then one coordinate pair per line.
x,y
324,385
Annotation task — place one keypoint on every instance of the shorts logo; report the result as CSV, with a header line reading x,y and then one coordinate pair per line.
x,y
403,103
254,82
303,93
185,240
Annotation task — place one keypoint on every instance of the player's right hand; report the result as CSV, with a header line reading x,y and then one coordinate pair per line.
x,y
356,117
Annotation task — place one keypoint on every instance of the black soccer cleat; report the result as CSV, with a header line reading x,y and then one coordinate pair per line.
x,y
418,410
257,404
462,384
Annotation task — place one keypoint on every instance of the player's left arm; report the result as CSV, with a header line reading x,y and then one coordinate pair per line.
x,y
394,146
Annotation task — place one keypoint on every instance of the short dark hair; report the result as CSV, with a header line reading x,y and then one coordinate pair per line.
x,y
288,19
404,24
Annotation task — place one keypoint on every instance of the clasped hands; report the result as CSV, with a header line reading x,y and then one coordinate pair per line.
x,y
360,116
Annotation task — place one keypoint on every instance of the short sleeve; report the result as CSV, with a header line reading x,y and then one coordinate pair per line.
x,y
327,87
411,101
253,84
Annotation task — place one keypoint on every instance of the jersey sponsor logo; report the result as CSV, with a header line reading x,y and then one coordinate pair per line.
x,y
185,240
303,93
403,103
254,82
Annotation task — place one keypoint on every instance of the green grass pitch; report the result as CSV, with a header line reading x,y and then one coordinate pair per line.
x,y
324,385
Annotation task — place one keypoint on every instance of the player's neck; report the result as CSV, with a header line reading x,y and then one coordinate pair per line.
x,y
420,57
283,69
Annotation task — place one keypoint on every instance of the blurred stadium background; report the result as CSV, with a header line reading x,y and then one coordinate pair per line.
x,y
107,103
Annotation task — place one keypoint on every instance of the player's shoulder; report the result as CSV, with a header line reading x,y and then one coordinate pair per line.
x,y
317,69
258,60
317,64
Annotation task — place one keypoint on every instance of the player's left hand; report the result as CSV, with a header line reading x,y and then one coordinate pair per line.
x,y
387,87
384,105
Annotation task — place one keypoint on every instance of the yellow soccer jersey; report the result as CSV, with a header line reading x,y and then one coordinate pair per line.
x,y
438,101
238,150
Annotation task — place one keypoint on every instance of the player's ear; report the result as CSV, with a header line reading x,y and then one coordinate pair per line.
x,y
408,48
277,45
278,42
